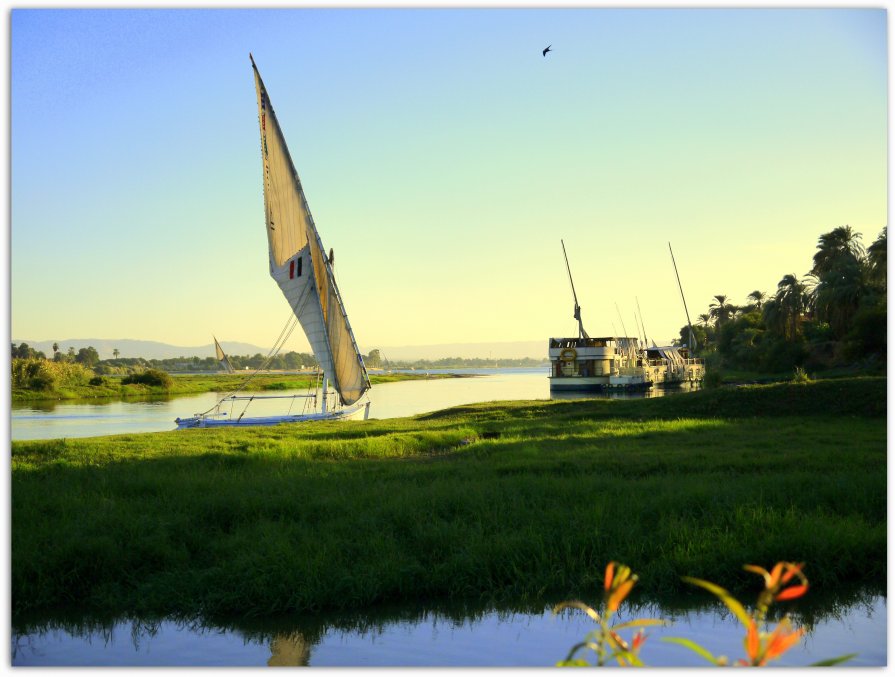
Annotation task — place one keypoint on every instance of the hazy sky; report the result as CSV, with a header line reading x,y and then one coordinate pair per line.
x,y
443,159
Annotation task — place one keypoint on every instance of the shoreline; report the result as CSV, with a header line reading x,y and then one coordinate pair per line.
x,y
194,384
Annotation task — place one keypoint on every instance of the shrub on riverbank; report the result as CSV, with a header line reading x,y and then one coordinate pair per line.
x,y
44,375
513,501
114,386
154,378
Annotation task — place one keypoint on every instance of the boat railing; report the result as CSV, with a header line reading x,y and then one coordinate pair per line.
x,y
265,397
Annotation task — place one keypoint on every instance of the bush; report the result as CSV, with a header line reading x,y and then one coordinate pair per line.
x,y
867,335
150,377
97,381
712,379
40,374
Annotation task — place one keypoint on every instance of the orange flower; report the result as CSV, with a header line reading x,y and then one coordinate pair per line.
x,y
781,640
775,575
617,583
777,643
792,570
753,644
638,640
780,575
792,593
619,594
618,640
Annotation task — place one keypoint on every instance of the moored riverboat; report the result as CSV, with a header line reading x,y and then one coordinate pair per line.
x,y
586,364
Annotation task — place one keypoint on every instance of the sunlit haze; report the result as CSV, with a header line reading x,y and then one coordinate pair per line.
x,y
443,159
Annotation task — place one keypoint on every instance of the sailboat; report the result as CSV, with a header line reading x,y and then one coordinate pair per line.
x,y
222,356
299,265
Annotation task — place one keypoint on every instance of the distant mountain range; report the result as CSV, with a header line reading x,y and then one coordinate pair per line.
x,y
155,350
151,350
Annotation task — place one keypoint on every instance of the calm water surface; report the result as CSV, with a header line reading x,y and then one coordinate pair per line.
x,y
47,420
489,638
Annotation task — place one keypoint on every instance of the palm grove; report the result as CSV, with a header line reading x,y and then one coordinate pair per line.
x,y
833,317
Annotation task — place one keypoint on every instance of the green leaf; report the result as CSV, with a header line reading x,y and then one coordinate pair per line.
x,y
581,645
833,661
732,603
577,663
627,656
639,623
577,605
693,646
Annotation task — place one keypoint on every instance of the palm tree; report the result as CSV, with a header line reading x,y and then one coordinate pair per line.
x,y
55,348
840,243
876,258
784,312
839,293
758,297
720,310
115,353
704,319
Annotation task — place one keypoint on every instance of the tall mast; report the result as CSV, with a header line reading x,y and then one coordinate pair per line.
x,y
624,328
641,322
577,313
689,324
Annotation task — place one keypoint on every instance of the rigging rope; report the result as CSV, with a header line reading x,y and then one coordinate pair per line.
x,y
285,333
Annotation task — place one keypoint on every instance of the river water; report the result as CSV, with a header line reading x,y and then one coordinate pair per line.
x,y
437,638
51,420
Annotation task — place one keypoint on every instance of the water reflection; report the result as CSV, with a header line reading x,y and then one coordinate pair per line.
x,y
24,408
655,391
291,649
461,634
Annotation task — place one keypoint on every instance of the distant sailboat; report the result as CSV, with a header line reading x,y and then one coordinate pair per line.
x,y
222,356
303,271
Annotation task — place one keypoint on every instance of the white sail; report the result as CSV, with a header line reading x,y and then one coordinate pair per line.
x,y
222,356
299,265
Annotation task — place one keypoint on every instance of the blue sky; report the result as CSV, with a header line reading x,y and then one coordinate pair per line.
x,y
443,158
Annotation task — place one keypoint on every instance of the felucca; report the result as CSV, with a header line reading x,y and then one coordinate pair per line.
x,y
304,274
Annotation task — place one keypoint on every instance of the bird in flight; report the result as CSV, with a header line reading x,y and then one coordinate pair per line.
x,y
546,49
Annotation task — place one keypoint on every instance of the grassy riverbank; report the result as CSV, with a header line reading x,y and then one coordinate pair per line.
x,y
191,384
513,501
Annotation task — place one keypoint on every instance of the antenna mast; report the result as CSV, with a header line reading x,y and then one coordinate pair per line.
x,y
689,324
645,339
624,328
577,313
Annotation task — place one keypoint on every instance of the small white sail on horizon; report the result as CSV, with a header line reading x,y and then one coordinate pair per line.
x,y
222,356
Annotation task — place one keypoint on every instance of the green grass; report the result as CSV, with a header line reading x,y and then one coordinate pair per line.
x,y
189,384
500,501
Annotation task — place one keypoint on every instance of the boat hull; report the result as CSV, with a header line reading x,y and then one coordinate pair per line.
x,y
357,412
595,384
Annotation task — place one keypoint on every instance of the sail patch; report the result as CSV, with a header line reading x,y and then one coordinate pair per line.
x,y
295,268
